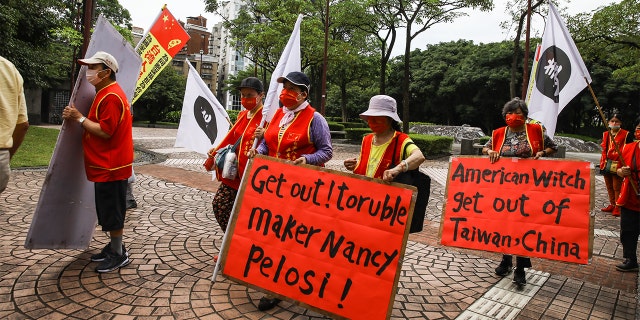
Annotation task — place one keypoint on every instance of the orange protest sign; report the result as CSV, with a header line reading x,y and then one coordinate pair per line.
x,y
525,207
332,241
163,41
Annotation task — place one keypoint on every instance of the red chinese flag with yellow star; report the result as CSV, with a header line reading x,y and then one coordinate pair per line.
x,y
163,41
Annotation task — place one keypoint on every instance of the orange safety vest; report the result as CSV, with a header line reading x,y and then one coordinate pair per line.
x,y
628,197
535,138
387,159
109,159
609,150
296,138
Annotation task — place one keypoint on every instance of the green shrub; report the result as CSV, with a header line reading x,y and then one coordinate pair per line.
x,y
233,115
172,116
354,124
334,126
432,145
483,140
356,134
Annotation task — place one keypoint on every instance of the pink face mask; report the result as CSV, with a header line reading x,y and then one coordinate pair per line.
x,y
92,76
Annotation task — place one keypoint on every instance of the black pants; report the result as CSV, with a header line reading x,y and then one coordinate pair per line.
x,y
521,262
629,232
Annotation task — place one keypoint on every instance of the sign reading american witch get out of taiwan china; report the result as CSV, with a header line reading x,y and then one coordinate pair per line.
x,y
526,207
328,240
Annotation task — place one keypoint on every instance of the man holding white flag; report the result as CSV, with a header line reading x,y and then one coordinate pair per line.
x,y
560,75
203,122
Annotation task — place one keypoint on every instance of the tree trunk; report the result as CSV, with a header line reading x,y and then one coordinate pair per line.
x,y
405,82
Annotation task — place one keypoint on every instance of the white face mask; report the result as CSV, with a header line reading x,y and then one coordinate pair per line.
x,y
92,76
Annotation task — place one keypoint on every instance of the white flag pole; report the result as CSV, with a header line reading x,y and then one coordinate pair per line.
x,y
289,61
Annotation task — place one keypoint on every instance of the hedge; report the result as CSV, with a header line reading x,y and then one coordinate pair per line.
x,y
428,144
354,124
334,126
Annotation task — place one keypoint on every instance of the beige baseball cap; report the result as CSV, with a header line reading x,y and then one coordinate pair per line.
x,y
101,57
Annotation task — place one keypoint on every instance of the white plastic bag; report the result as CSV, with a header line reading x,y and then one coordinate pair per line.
x,y
230,169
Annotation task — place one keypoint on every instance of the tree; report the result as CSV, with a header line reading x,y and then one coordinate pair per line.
x,y
262,29
166,94
381,21
518,9
423,14
615,27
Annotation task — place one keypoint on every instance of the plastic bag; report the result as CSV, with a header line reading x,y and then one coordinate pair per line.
x,y
230,168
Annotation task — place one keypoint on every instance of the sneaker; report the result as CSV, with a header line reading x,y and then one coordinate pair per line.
x,y
519,277
504,268
616,212
99,257
267,303
608,208
628,266
113,262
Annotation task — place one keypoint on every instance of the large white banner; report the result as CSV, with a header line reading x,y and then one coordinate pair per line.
x,y
560,73
65,215
203,122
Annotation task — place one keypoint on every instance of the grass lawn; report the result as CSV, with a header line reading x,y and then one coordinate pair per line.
x,y
36,149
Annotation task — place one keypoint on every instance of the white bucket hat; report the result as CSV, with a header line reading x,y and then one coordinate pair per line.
x,y
101,57
382,105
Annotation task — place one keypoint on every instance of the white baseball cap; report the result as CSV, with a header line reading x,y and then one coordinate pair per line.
x,y
382,105
101,57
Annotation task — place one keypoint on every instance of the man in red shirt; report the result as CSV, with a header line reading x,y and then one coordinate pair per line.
x,y
107,143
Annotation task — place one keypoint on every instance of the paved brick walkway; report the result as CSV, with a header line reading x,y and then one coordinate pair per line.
x,y
172,237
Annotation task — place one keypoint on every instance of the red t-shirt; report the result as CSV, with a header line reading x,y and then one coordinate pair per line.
x,y
109,159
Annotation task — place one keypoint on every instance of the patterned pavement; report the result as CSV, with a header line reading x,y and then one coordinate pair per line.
x,y
172,237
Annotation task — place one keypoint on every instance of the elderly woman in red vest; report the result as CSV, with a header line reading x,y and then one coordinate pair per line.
x,y
610,154
629,202
251,95
522,140
387,151
297,133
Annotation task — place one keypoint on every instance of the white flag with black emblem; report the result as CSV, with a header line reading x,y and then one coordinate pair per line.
x,y
203,121
560,74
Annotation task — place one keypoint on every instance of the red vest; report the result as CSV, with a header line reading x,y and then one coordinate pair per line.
x,y
608,149
628,197
296,139
109,159
244,129
387,159
535,138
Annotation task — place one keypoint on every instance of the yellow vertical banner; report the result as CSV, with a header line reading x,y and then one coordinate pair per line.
x,y
163,41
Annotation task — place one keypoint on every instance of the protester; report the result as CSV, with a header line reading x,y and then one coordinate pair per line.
x,y
377,158
629,203
521,140
108,154
610,155
14,122
297,133
251,95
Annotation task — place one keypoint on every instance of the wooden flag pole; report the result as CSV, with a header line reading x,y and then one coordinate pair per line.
x,y
615,144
